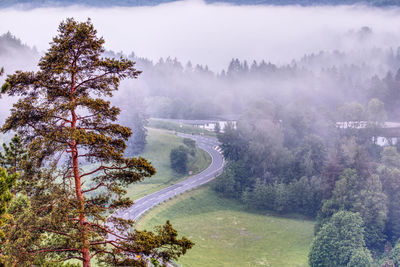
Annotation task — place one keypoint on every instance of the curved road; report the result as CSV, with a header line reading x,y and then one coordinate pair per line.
x,y
210,145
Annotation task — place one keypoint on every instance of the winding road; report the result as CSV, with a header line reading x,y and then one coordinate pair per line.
x,y
208,144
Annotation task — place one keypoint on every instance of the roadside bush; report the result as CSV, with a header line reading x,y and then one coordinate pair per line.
x,y
179,159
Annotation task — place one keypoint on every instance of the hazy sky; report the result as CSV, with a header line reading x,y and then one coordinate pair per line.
x,y
213,34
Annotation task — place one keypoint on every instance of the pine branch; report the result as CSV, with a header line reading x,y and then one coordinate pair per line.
x,y
91,80
94,188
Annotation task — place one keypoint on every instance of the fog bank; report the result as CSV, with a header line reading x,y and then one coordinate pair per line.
x,y
213,34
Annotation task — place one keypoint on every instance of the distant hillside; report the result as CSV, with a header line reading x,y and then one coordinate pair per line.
x,y
109,3
9,44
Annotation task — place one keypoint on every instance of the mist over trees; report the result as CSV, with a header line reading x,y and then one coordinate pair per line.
x,y
16,55
326,79
323,80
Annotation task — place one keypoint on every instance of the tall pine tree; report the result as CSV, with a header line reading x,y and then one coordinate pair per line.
x,y
66,123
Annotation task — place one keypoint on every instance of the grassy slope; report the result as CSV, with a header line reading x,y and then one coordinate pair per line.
x,y
226,234
158,148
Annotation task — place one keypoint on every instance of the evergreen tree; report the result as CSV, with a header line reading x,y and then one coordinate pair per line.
x,y
339,241
138,142
179,159
389,173
395,254
363,195
14,155
62,117
233,144
6,183
360,258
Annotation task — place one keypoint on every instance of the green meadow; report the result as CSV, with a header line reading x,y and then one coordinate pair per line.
x,y
226,233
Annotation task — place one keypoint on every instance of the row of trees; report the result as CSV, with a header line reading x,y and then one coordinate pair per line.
x,y
60,210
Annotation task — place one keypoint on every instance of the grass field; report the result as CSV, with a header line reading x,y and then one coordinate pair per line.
x,y
158,148
227,234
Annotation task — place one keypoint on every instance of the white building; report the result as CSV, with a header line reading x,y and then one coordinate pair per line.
x,y
389,132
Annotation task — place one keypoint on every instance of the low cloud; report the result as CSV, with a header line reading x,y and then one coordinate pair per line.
x,y
212,34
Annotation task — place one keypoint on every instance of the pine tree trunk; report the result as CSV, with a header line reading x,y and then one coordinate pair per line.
x,y
82,219
78,188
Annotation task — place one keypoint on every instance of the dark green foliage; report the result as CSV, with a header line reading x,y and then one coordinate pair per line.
x,y
233,144
137,142
179,159
310,156
233,181
363,195
389,173
340,242
395,254
390,157
190,143
14,160
303,196
155,262
7,181
306,196
360,258
386,90
346,153
15,155
161,244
